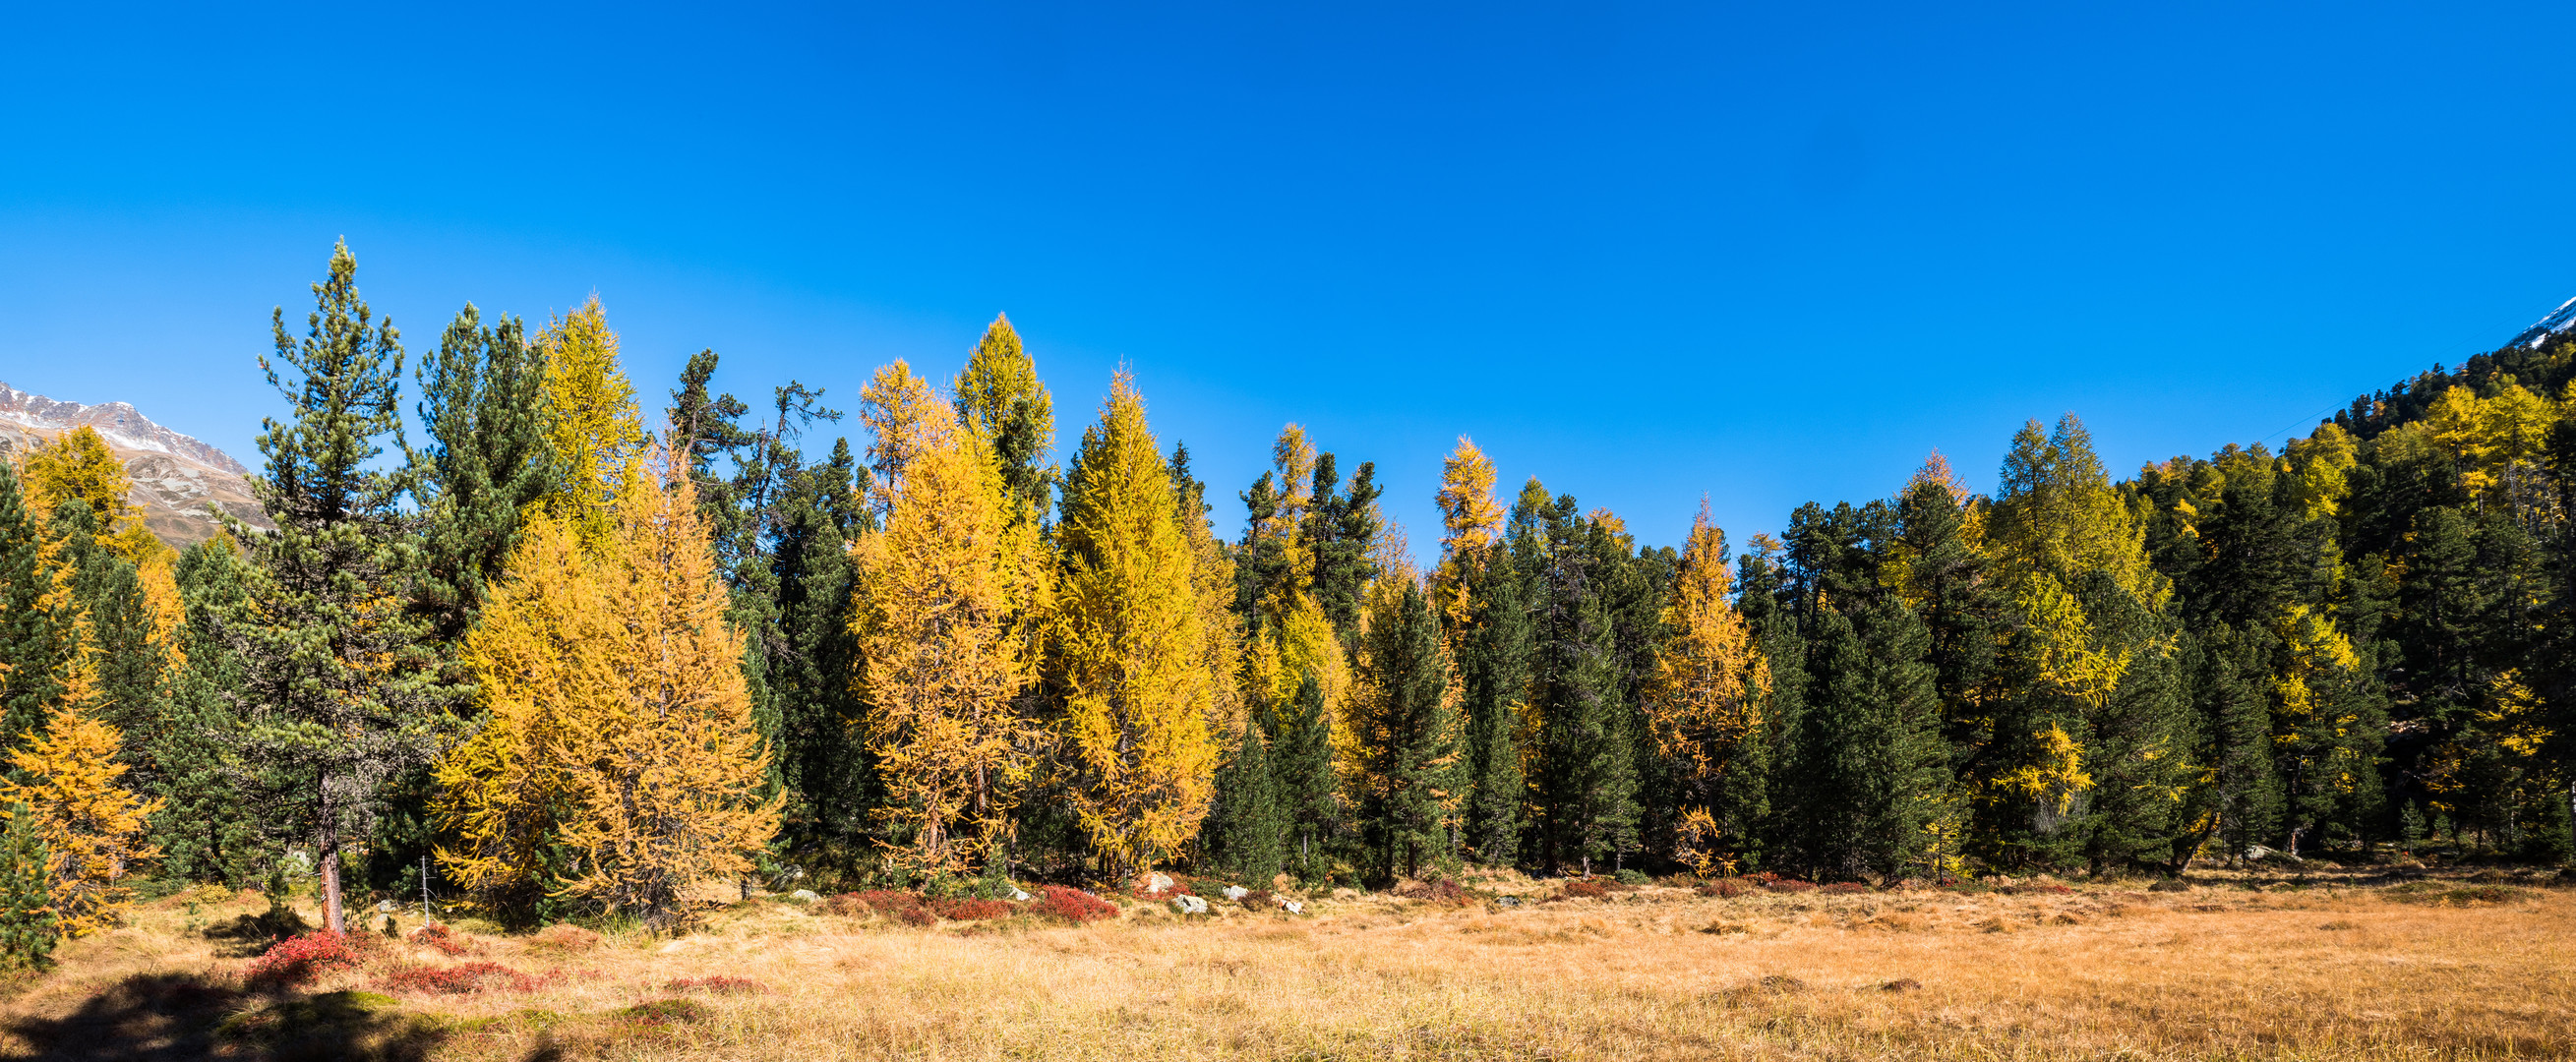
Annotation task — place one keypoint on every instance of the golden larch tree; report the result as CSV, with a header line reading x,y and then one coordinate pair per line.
x,y
1469,516
1129,648
92,825
591,420
1704,696
946,604
544,657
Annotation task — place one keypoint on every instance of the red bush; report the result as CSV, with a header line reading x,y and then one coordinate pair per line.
x,y
461,980
963,910
297,960
1725,888
1071,905
1585,890
1791,885
717,983
903,907
1845,888
447,941
1762,877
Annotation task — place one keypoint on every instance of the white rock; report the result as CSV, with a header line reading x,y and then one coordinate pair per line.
x,y
1291,906
1156,883
1019,897
1188,904
803,896
1236,892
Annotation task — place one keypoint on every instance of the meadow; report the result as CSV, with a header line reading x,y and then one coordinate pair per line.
x,y
2321,965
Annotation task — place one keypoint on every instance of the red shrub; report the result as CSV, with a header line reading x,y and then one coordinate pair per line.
x,y
447,941
1725,888
1071,905
1791,885
1585,890
1259,900
903,907
297,960
717,983
1762,877
461,980
970,910
1845,888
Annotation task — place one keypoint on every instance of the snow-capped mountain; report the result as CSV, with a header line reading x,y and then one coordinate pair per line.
x,y
175,476
2558,320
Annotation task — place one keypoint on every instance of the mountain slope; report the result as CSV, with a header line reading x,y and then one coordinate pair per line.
x,y
175,477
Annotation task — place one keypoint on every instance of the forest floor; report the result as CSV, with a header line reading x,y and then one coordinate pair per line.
x,y
2321,965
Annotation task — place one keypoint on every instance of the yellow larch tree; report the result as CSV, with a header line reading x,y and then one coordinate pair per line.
x,y
92,826
2500,444
618,721
77,466
591,420
1129,648
1469,516
947,602
544,660
1705,693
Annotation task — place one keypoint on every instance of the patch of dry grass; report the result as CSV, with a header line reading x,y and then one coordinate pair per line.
x,y
2314,973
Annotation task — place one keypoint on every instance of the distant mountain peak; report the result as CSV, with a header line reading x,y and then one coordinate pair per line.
x,y
2558,320
175,476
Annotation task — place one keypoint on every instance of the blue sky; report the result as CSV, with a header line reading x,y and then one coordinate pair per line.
x,y
1765,253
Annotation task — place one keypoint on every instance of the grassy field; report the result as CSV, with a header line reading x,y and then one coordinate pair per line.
x,y
2318,967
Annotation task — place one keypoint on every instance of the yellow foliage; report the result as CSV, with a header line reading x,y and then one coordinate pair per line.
x,y
2059,774
1469,515
2313,645
77,466
592,420
905,417
1130,648
619,717
948,600
2500,444
2069,657
2322,464
1705,693
92,826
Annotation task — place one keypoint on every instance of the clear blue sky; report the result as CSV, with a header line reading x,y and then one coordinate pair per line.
x,y
1766,253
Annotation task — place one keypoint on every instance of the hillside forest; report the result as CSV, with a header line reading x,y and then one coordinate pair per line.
x,y
571,649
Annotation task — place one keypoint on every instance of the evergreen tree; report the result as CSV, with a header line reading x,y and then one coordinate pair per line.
x,y
338,688
1703,703
27,931
1585,779
1410,771
204,830
1493,652
824,767
1000,398
1245,825
1300,739
488,458
39,635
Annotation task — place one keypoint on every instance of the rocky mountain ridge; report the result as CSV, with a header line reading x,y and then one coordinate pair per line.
x,y
175,476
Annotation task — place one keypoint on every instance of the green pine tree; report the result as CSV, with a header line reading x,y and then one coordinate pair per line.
x,y
340,686
1245,828
1410,735
1300,740
27,931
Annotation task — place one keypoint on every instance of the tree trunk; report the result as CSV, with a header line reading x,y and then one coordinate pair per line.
x,y
330,860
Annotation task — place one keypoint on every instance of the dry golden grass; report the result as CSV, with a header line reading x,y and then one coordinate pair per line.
x,y
2227,972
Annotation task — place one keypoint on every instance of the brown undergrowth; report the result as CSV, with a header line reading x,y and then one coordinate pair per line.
x,y
2231,967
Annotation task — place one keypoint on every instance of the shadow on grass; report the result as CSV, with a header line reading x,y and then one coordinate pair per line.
x,y
171,1016
248,935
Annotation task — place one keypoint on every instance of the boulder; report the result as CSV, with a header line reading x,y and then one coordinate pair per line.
x,y
1291,906
1189,905
803,896
1236,892
1018,896
1507,901
1156,884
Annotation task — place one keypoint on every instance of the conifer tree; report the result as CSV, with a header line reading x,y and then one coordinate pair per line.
x,y
1299,729
339,689
1584,776
949,600
1410,777
1128,648
667,789
91,826
27,931
1000,398
593,427
1245,825
125,654
204,829
821,759
1704,701
39,623
490,456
